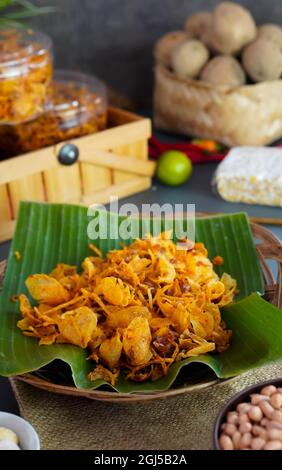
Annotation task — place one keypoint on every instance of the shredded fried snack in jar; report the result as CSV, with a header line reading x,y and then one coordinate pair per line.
x,y
137,311
25,74
77,107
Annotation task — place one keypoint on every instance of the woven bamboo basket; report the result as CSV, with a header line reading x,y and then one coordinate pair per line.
x,y
111,162
268,248
246,115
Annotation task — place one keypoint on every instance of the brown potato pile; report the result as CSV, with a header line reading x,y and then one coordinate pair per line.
x,y
223,48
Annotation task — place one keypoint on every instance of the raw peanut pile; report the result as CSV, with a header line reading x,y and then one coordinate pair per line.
x,y
255,425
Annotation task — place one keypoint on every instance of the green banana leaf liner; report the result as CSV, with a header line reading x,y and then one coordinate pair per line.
x,y
47,234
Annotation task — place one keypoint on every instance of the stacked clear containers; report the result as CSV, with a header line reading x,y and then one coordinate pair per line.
x,y
37,111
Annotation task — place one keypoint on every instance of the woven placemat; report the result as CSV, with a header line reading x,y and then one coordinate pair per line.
x,y
184,422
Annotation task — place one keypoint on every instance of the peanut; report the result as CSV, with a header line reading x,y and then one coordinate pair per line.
x,y
225,442
277,416
245,427
255,413
243,408
268,390
273,445
266,408
230,429
232,417
256,398
259,431
276,400
245,440
257,443
243,418
236,439
274,434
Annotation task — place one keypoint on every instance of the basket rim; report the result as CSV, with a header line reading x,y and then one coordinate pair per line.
x,y
269,247
224,89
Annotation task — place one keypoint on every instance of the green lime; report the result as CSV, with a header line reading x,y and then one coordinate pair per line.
x,y
174,168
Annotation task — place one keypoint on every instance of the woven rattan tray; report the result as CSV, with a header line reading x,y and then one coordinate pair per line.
x,y
268,246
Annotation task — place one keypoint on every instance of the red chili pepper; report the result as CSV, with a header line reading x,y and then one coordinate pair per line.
x,y
194,152
211,146
197,153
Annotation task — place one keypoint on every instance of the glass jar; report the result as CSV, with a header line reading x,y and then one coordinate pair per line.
x,y
25,74
77,107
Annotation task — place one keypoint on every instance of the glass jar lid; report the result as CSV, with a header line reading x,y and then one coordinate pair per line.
x,y
18,47
77,97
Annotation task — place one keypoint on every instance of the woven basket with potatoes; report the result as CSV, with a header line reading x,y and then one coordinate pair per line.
x,y
220,78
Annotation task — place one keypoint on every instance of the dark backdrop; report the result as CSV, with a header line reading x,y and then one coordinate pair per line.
x,y
114,38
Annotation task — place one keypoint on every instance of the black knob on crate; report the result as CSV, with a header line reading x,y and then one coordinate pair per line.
x,y
68,154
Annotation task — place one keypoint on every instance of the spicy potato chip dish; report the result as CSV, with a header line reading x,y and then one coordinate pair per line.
x,y
137,311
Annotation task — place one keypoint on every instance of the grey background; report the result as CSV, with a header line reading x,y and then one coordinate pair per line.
x,y
114,38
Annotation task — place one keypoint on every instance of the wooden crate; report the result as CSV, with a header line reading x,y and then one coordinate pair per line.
x,y
111,162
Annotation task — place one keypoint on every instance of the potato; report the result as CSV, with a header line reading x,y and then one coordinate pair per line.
x,y
110,351
271,32
206,38
46,289
165,46
223,70
137,340
189,58
199,26
262,60
232,27
197,23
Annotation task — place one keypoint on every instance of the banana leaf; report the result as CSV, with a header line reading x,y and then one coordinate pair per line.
x,y
47,234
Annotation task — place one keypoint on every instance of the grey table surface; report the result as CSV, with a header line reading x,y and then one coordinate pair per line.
x,y
196,191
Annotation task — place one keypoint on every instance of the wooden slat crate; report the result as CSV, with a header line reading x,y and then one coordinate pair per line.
x,y
111,162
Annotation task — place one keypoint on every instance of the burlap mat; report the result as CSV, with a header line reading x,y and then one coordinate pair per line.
x,y
179,423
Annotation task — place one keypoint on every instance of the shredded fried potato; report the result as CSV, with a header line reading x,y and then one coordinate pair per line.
x,y
26,70
74,111
138,311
